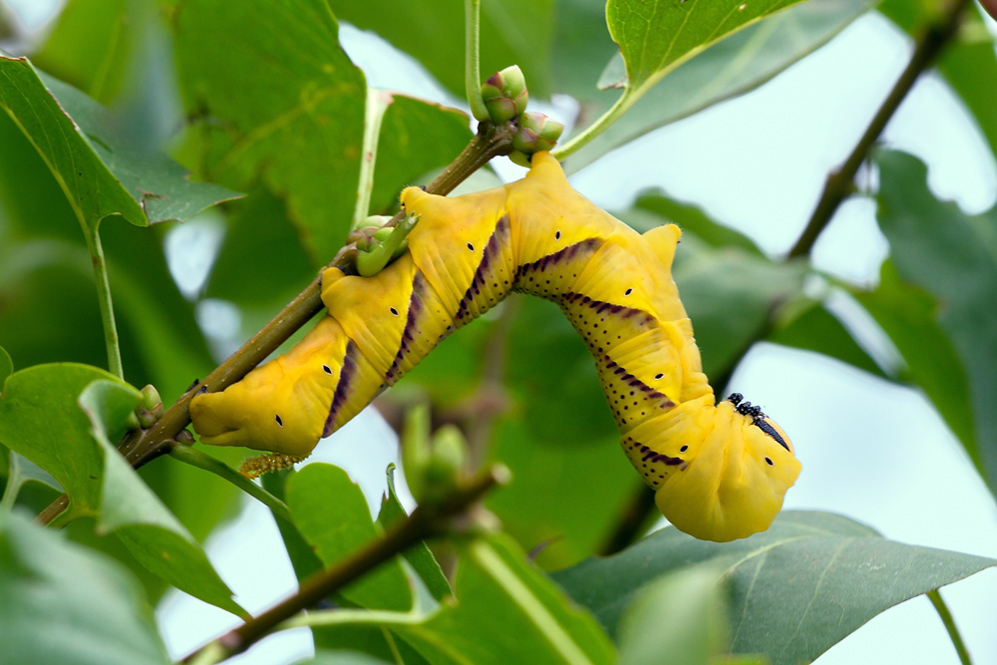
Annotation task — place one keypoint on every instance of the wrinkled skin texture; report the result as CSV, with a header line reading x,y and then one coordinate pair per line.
x,y
717,474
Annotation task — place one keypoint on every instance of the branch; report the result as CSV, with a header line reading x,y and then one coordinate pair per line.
x,y
839,183
141,446
425,522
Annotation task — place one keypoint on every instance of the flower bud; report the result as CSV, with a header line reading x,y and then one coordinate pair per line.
x,y
151,399
549,135
520,158
500,109
445,467
145,418
505,94
536,132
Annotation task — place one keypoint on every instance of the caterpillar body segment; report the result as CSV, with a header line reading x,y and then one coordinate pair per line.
x,y
719,471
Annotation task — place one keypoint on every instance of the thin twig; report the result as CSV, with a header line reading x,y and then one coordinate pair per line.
x,y
839,183
943,611
425,522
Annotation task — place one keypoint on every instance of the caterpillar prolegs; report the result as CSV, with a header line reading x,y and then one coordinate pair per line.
x,y
719,471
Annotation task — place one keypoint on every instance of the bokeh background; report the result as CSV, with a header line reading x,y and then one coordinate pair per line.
x,y
871,449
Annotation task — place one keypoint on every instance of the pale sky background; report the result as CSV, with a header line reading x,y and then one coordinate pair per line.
x,y
756,163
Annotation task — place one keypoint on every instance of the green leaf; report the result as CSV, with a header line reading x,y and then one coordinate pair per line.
x,y
40,419
303,557
680,619
553,375
93,45
46,282
327,657
280,103
6,366
969,66
953,257
61,603
87,182
513,32
417,137
332,514
814,328
101,172
20,471
691,219
419,556
796,589
262,261
50,311
654,38
732,67
495,587
135,515
552,503
909,316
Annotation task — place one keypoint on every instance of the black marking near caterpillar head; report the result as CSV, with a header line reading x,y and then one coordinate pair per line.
x,y
758,418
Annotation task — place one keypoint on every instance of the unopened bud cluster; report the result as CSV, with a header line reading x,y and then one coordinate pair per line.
x,y
505,97
505,94
149,410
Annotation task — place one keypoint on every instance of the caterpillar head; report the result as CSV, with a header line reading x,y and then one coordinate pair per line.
x,y
281,406
740,465
274,420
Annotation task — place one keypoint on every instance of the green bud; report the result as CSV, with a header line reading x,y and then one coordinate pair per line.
x,y
448,456
449,452
184,437
533,121
416,449
536,132
151,399
501,109
520,158
383,234
377,248
525,141
132,421
145,418
376,221
489,90
514,86
505,94
520,101
551,130
549,135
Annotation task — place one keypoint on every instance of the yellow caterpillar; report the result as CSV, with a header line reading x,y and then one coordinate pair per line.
x,y
720,471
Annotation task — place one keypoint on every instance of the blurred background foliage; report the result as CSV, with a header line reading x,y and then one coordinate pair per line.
x,y
267,104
